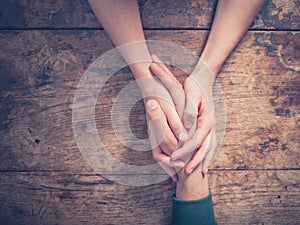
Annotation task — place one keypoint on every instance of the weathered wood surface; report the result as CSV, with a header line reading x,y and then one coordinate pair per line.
x,y
240,197
45,180
40,70
177,14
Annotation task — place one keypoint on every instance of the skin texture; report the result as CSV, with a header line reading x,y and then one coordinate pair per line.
x,y
115,15
232,19
202,135
191,186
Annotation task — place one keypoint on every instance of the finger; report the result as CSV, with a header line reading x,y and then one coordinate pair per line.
x,y
196,160
170,171
213,150
204,172
161,157
157,60
200,155
161,134
172,84
194,143
189,147
174,121
177,93
161,71
206,112
166,163
156,122
169,143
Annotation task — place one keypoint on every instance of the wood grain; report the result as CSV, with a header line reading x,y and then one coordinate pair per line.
x,y
40,70
278,15
240,197
44,179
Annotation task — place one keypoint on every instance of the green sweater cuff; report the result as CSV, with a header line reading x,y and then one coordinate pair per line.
x,y
196,212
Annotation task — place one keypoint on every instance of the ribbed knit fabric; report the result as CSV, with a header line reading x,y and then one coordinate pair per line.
x,y
196,212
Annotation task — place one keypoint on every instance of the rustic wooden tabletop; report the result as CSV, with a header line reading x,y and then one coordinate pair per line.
x,y
45,46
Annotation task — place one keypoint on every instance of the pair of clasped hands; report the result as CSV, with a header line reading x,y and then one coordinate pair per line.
x,y
181,119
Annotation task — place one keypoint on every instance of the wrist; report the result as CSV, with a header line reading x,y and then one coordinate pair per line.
x,y
213,66
203,76
193,186
137,56
141,69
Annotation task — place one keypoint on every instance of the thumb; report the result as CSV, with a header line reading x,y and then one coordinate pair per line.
x,y
157,122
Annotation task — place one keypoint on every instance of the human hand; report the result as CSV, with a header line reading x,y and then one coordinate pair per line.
x,y
198,116
163,142
200,110
153,88
164,114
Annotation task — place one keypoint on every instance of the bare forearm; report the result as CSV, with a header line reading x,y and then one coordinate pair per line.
x,y
121,21
232,20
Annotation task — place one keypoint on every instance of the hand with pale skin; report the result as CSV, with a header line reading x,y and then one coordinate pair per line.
x,y
198,114
122,23
162,138
189,187
199,110
163,142
232,20
162,149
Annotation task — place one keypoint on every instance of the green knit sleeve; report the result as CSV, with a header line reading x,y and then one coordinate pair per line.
x,y
196,212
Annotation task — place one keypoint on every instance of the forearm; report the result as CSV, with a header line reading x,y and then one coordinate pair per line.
x,y
232,20
121,21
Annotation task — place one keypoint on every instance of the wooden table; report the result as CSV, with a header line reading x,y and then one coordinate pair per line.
x,y
45,46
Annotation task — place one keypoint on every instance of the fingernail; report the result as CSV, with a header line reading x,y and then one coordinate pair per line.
x,y
191,170
187,124
151,105
155,58
204,172
182,136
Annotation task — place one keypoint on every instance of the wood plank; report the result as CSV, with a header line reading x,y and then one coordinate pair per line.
x,y
240,197
40,70
278,15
